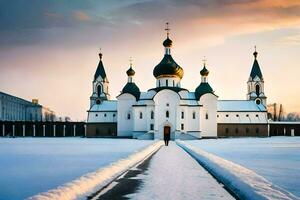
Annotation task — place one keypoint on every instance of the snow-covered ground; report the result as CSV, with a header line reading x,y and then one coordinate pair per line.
x,y
32,165
277,159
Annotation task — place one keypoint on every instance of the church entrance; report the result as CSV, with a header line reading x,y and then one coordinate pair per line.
x,y
167,132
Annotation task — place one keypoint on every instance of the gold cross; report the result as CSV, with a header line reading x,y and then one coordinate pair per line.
x,y
130,61
204,61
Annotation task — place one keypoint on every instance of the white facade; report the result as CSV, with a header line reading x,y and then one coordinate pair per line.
x,y
13,108
168,106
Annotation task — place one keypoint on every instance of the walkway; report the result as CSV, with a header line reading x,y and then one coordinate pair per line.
x,y
169,174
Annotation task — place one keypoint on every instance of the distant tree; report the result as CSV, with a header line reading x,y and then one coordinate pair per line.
x,y
293,116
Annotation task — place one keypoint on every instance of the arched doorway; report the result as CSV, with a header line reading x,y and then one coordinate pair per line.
x,y
167,132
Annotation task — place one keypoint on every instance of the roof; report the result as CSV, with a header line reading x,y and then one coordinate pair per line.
x,y
255,71
239,105
175,89
202,89
29,103
168,66
108,105
133,89
100,71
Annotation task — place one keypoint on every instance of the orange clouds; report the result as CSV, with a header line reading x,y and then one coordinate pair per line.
x,y
81,16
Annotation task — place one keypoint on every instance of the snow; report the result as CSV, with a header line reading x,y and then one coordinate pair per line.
x,y
268,167
32,165
109,105
173,174
239,105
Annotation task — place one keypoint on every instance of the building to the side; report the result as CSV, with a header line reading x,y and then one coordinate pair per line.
x,y
170,108
13,108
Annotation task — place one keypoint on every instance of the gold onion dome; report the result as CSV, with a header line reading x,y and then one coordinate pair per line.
x,y
130,72
204,71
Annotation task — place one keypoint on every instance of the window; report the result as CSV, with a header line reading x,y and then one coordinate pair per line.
x,y
256,115
194,115
167,114
167,104
227,115
237,115
182,115
226,130
167,82
257,89
152,115
114,115
98,101
217,116
141,115
173,83
96,115
182,126
99,90
206,116
151,127
257,130
257,101
105,115
128,115
247,115
159,83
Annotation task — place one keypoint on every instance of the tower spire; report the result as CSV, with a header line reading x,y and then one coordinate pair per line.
x,y
100,54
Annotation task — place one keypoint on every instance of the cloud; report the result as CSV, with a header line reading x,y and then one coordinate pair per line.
x,y
290,40
81,16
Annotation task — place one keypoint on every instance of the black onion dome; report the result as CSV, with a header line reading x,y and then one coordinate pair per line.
x,y
202,89
168,42
133,89
168,66
204,72
130,72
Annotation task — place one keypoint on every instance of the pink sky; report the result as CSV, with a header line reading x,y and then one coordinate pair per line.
x,y
54,58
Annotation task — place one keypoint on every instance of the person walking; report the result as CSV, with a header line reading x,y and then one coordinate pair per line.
x,y
166,138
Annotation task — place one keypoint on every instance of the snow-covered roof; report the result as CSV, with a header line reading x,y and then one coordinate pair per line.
x,y
105,106
147,95
239,105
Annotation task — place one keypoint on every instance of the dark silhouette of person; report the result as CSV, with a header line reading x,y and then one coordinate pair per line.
x,y
167,138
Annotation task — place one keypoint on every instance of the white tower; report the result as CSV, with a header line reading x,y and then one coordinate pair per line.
x,y
100,85
256,84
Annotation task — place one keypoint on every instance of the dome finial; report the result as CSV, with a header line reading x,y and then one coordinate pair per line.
x,y
204,61
130,62
100,54
255,52
167,29
130,71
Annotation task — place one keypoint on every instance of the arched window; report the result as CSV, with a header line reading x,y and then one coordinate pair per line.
x,y
182,115
128,116
152,115
159,83
167,82
167,114
141,115
173,83
206,116
99,90
257,89
194,115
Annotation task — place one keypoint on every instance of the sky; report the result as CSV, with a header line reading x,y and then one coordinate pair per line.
x,y
49,49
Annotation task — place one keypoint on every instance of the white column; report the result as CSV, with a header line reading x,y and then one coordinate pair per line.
x,y
33,130
23,128
64,131
3,130
54,130
74,130
13,130
85,130
44,130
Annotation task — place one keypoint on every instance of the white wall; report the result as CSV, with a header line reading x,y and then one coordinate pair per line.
x,y
208,126
102,116
161,100
242,117
125,126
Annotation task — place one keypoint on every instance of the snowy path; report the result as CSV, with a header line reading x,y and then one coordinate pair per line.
x,y
169,174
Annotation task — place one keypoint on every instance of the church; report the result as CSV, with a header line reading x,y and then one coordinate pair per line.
x,y
169,108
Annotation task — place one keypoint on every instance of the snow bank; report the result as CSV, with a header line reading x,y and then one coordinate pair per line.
x,y
93,181
244,183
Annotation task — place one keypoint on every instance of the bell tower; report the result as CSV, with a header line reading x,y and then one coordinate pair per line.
x,y
100,85
256,83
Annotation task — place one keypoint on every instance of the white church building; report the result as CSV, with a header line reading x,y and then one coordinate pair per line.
x,y
170,108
